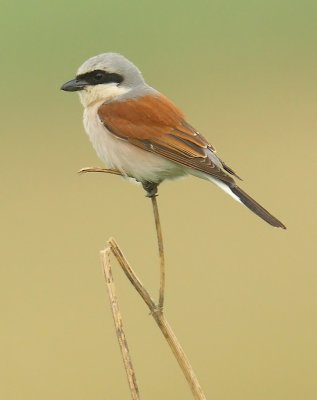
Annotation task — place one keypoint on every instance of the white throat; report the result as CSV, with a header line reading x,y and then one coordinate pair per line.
x,y
93,94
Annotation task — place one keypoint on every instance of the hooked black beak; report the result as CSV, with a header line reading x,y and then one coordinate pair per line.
x,y
74,85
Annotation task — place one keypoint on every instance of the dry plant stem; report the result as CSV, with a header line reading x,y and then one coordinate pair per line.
x,y
119,326
161,322
157,226
156,310
98,169
161,252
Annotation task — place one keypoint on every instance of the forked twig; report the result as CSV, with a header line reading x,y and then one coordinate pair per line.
x,y
105,255
155,309
161,321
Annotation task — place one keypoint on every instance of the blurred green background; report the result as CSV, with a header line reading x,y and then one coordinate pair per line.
x,y
241,295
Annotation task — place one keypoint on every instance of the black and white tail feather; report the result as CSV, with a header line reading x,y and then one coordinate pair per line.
x,y
256,207
242,197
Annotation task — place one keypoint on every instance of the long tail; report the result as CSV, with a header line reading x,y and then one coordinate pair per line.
x,y
242,197
256,207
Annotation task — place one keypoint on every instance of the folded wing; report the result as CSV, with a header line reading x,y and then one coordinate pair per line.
x,y
154,124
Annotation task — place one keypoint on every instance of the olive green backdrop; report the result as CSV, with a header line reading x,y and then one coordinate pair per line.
x,y
241,295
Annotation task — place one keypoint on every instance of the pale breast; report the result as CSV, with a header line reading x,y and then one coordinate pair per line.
x,y
118,154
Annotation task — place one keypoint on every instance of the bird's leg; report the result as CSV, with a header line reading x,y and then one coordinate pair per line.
x,y
150,188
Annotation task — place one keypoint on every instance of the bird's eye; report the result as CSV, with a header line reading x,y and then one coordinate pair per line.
x,y
99,76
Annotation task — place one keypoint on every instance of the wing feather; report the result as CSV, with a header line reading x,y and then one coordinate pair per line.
x,y
154,124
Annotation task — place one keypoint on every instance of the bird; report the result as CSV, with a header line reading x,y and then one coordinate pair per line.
x,y
139,132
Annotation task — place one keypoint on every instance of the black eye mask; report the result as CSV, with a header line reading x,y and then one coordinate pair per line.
x,y
99,77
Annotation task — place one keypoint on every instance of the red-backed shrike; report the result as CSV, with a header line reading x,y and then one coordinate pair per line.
x,y
139,132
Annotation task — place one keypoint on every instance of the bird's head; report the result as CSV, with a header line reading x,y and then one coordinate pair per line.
x,y
104,78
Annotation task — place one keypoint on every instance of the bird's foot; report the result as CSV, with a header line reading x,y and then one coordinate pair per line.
x,y
150,188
